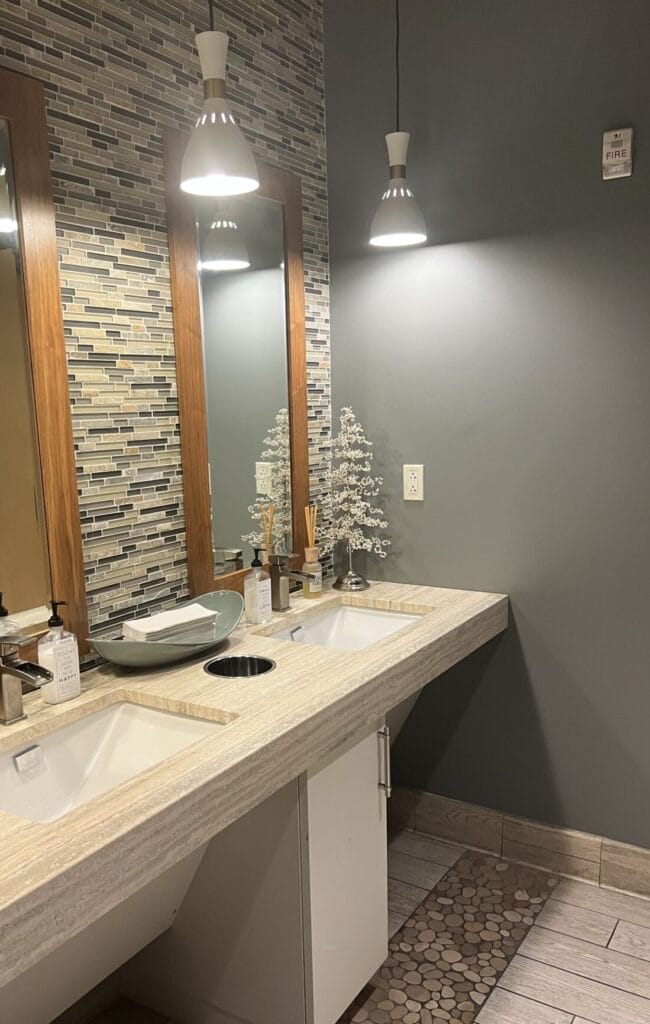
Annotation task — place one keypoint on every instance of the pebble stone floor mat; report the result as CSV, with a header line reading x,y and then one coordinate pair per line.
x,y
445,960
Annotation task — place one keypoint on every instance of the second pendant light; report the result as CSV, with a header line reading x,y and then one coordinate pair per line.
x,y
398,221
224,247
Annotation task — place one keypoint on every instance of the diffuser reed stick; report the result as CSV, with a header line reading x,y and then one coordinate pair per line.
x,y
311,518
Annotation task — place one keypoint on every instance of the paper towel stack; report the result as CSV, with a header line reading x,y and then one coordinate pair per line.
x,y
191,624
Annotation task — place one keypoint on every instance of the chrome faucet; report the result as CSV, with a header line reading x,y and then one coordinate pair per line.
x,y
16,678
280,576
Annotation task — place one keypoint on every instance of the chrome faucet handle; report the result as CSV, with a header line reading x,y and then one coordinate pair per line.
x,y
281,558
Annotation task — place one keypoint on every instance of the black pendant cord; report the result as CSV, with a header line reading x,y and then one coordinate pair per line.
x,y
396,65
211,9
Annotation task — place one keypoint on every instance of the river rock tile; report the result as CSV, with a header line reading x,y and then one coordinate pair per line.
x,y
445,961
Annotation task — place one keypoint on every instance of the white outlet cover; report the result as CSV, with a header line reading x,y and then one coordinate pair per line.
x,y
413,482
263,478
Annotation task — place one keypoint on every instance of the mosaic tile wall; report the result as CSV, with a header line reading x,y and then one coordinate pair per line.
x,y
116,73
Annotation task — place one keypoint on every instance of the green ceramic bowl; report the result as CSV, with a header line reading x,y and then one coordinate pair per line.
x,y
149,653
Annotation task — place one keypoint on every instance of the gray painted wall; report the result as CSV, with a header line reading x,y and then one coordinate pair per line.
x,y
512,358
245,352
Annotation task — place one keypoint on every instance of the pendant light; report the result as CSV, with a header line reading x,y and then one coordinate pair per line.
x,y
398,221
218,160
8,223
224,247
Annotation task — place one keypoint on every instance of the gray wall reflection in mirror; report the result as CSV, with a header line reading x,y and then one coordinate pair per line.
x,y
24,574
241,247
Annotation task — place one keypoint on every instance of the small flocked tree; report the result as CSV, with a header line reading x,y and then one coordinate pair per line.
x,y
276,451
352,485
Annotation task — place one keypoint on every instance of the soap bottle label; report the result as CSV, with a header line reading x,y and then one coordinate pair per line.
x,y
258,602
66,668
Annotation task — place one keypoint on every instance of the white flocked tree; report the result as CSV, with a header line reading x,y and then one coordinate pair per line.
x,y
352,485
276,450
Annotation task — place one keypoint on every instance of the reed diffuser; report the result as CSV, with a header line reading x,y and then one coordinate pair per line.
x,y
314,587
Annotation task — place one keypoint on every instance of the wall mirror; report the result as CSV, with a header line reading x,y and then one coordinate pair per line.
x,y
40,539
24,565
239,330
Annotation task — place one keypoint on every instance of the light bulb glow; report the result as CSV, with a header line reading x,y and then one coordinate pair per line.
x,y
219,265
398,240
219,185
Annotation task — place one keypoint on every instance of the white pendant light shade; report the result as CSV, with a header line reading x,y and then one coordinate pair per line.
x,y
218,160
398,221
224,247
8,222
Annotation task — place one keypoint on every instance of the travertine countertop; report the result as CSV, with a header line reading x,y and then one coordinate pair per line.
x,y
58,877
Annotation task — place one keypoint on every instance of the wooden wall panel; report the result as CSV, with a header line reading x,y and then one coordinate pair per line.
x,y
22,105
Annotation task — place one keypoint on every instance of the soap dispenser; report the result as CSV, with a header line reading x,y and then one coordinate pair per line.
x,y
58,652
7,626
257,592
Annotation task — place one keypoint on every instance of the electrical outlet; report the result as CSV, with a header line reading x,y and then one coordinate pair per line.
x,y
263,479
413,483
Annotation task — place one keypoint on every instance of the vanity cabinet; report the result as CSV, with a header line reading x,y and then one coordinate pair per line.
x,y
345,901
286,919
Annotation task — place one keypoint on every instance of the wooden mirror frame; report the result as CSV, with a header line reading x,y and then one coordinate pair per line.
x,y
285,188
22,106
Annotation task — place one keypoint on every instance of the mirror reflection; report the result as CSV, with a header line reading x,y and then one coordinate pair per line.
x,y
24,573
242,276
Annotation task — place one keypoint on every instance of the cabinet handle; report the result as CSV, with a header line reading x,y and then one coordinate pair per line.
x,y
384,739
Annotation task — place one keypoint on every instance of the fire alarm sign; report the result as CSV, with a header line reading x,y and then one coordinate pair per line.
x,y
617,153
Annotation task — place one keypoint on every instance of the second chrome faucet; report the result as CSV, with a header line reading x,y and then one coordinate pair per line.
x,y
281,574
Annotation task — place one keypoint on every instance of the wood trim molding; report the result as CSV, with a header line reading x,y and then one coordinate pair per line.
x,y
563,851
285,188
22,106
186,307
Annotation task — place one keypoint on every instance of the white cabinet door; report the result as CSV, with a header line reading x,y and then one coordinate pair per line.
x,y
346,919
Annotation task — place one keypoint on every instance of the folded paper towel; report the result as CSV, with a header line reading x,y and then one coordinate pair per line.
x,y
190,623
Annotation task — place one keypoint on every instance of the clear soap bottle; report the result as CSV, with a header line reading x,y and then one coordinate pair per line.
x,y
312,588
58,652
257,592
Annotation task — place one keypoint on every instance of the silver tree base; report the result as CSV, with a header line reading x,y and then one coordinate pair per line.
x,y
352,581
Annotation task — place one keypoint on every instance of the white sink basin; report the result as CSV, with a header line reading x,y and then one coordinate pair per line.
x,y
47,778
347,629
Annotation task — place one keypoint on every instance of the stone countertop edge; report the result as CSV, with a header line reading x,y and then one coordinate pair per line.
x,y
58,877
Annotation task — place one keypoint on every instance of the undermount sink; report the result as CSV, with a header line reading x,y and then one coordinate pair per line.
x,y
347,628
47,778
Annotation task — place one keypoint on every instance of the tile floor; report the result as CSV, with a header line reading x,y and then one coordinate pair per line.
x,y
585,959
453,942
476,940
